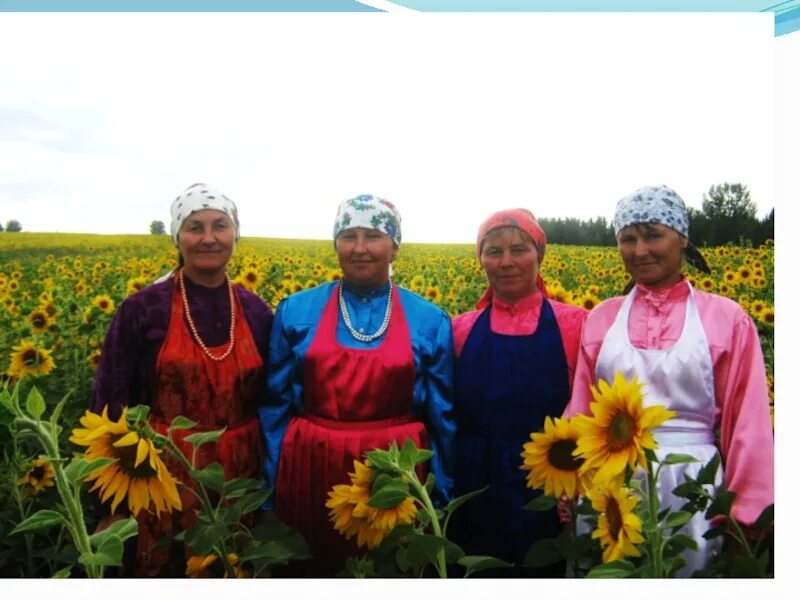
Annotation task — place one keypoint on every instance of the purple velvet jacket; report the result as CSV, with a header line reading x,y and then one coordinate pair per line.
x,y
126,372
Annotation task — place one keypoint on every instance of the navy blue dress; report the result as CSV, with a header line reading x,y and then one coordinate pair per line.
x,y
505,386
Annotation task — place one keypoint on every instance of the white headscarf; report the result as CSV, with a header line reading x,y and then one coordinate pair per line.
x,y
200,196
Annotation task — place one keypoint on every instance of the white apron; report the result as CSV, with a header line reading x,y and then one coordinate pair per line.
x,y
682,379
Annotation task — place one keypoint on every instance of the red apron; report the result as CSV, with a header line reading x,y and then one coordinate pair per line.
x,y
216,395
355,400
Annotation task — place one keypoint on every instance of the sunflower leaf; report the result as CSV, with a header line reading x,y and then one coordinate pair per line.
x,y
59,407
202,538
680,542
6,416
40,520
34,404
542,503
721,505
405,458
212,477
542,553
63,573
274,553
380,460
251,502
766,518
181,422
474,564
676,519
80,468
423,455
123,529
678,459
456,502
5,401
616,569
206,437
138,412
239,486
424,549
687,489
650,455
708,472
390,495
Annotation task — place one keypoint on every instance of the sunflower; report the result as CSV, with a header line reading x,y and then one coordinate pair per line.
x,y
39,477
550,460
138,470
27,359
135,284
767,315
209,566
104,303
39,320
619,529
432,293
250,278
619,430
93,359
352,516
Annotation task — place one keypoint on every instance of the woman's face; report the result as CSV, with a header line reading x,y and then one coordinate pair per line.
x,y
364,255
652,253
511,263
206,240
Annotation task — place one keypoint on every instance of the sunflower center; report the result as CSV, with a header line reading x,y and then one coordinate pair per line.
x,y
620,432
127,458
614,516
30,357
37,473
38,321
560,455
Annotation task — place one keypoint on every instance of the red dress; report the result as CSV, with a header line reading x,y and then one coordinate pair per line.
x,y
216,395
356,400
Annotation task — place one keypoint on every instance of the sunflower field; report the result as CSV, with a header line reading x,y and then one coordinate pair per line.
x,y
58,293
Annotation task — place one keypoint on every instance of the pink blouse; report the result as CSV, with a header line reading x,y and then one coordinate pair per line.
x,y
740,383
522,318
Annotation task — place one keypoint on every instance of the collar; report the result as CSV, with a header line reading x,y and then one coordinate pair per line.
x,y
657,296
365,293
524,304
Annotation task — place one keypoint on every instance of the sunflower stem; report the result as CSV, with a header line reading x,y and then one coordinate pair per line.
x,y
441,564
654,536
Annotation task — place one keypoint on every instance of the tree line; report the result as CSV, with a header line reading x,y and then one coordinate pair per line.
x,y
728,216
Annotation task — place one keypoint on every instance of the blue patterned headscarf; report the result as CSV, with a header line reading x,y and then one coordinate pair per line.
x,y
200,196
660,205
653,204
370,212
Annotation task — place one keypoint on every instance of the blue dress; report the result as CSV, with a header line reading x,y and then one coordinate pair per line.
x,y
505,386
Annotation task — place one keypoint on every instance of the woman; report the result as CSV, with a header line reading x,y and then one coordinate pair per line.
x,y
697,353
355,365
191,344
515,362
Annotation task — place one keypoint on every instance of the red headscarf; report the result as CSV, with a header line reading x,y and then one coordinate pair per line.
x,y
523,220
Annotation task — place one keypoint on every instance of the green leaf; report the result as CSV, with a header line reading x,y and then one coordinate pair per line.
x,y
708,472
35,403
6,416
677,519
202,538
381,480
139,412
40,520
456,502
422,456
211,477
63,573
721,505
452,551
273,529
679,542
252,502
273,552
616,569
181,422
430,483
123,529
239,486
59,408
542,503
380,460
542,553
407,455
475,564
715,531
687,489
206,437
6,402
424,549
650,455
79,468
390,495
678,459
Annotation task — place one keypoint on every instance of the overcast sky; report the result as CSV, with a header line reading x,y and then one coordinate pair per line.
x,y
105,118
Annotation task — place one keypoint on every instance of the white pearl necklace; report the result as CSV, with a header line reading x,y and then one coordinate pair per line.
x,y
361,337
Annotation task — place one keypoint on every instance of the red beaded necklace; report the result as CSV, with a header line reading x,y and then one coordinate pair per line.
x,y
193,327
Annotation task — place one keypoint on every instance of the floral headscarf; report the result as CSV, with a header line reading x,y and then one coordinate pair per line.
x,y
370,212
523,220
660,205
200,197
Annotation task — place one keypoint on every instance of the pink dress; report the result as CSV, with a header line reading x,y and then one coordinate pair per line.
x,y
739,389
